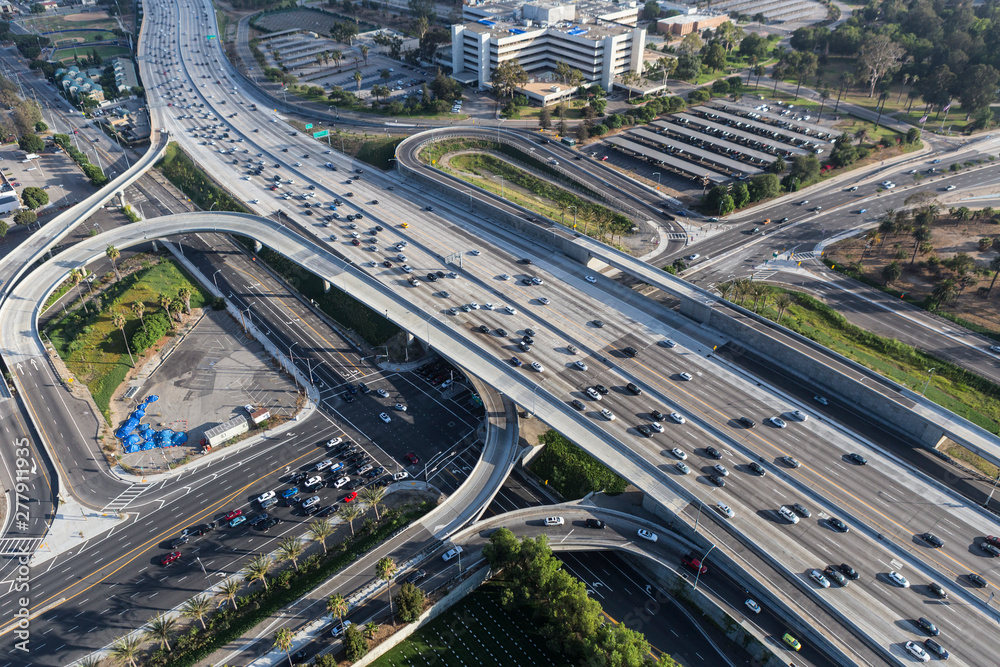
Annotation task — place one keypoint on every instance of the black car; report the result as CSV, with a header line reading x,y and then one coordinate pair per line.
x,y
203,529
645,430
601,389
747,422
978,580
599,324
416,576
329,509
718,481
527,340
849,571
657,415
835,574
378,228
932,539
578,404
632,387
936,649
938,590
801,510
365,389
431,277
529,332
526,281
312,509
501,332
260,518
269,524
857,458
631,351
179,541
928,626
713,452
595,523
838,524
351,388
757,468
484,329
524,261
782,220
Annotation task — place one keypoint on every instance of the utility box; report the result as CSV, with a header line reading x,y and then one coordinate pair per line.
x,y
226,431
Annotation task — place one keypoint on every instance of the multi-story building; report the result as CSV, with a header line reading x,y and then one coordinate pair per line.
x,y
688,23
599,39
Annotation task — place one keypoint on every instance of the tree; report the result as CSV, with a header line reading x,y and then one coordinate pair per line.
x,y
891,272
764,186
4,228
979,88
943,292
995,268
31,143
420,26
777,73
754,45
290,548
319,530
373,495
161,629
879,57
197,608
125,650
336,605
920,236
283,640
545,118
184,294
805,168
651,10
724,289
715,56
118,322
364,53
355,645
691,44
357,79
37,8
741,195
507,78
230,587
34,197
410,602
349,514
782,300
385,570
113,254
935,89
257,568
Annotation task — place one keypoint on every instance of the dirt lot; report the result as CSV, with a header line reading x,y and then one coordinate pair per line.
x,y
950,236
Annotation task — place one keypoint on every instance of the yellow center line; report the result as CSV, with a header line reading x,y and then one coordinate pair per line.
x,y
146,546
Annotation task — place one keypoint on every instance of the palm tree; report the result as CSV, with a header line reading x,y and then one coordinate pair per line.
x,y
920,236
336,605
319,530
230,587
782,300
125,650
256,569
995,268
290,548
861,136
91,661
337,56
184,294
161,628
373,495
113,254
777,73
139,309
371,627
357,80
724,289
76,277
906,79
349,514
824,95
364,53
758,72
197,608
165,302
385,570
283,640
944,291
176,307
118,321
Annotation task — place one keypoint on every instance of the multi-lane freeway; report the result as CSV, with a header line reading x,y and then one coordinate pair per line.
x,y
478,304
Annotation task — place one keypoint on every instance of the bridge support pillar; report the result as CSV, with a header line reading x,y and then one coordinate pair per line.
x,y
326,286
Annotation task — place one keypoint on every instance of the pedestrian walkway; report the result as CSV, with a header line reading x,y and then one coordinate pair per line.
x,y
126,497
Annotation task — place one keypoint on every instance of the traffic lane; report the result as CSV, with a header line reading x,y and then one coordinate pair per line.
x,y
515,494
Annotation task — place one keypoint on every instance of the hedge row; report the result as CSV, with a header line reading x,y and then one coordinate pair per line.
x,y
93,172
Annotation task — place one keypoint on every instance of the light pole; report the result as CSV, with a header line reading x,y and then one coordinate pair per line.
x,y
929,374
498,129
657,174
698,576
987,503
700,504
216,280
534,392
574,216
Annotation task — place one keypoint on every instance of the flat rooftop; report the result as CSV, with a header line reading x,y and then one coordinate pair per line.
x,y
501,29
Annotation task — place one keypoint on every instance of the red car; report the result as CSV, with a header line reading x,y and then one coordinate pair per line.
x,y
349,497
412,458
170,557
694,564
232,515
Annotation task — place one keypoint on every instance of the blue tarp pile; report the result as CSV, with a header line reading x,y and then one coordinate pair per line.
x,y
136,436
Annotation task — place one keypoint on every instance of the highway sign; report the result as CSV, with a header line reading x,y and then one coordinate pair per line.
x,y
321,134
309,126
210,36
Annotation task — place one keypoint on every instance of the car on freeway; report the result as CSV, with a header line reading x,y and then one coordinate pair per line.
x,y
178,542
838,525
857,458
725,510
579,364
898,579
340,628
290,492
170,557
633,388
666,342
752,606
309,502
777,422
598,323
237,521
788,515
938,590
591,279
601,389
932,539
269,524
504,276
679,453
695,564
451,553
537,366
692,257
679,418
928,626
818,577
323,465
950,188
593,393
595,523
792,642
917,651
801,416
656,415
822,400
991,549
510,311
542,300
384,417
401,475
475,253
342,482
862,210
849,571
645,430
685,376
790,461
647,535
746,422
757,468
554,521
801,510
416,576
336,441
515,361
350,497
578,404
313,482
259,519
935,648
717,480
682,468
713,452
232,515
834,574
607,414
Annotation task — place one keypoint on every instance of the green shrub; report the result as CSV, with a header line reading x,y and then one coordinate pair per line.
x,y
571,471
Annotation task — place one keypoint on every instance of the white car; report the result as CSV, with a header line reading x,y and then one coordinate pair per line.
x,y
818,577
504,276
383,393
542,300
488,306
400,407
752,606
647,534
265,496
474,306
510,311
693,257
400,475
721,470
313,482
249,408
788,515
801,416
591,279
451,553
679,453
537,366
341,482
309,502
725,510
554,521
323,465
340,628
334,442
582,366
686,377
666,342
682,468
593,393
779,423
384,417
254,201
607,414
679,418
898,579
917,651
657,426
474,253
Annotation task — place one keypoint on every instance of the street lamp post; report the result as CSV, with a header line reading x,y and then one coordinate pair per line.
x,y
534,392
702,564
657,174
987,503
215,279
700,504
929,374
